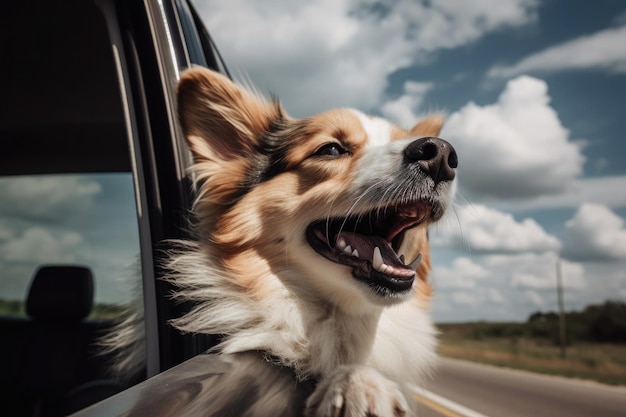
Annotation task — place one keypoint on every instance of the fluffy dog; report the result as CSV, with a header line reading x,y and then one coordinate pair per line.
x,y
312,243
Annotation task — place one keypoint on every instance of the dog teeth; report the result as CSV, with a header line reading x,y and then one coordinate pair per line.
x,y
377,259
413,265
380,266
342,245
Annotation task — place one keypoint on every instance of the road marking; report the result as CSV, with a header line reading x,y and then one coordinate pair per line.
x,y
443,405
434,406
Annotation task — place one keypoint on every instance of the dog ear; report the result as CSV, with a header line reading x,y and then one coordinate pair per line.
x,y
220,119
430,126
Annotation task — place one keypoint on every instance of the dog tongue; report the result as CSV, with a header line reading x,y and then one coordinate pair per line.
x,y
365,245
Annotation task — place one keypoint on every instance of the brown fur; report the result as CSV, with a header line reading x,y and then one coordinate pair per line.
x,y
262,186
258,217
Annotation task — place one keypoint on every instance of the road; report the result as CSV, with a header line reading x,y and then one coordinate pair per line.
x,y
472,390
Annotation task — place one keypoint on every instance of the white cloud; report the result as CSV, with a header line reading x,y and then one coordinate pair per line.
x,y
465,298
534,298
5,232
47,197
607,282
511,286
530,271
602,190
322,54
483,229
595,233
515,148
477,297
403,109
528,280
462,274
495,296
37,245
602,50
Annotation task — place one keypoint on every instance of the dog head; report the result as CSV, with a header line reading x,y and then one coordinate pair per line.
x,y
334,207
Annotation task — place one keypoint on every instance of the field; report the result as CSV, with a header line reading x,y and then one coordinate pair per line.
x,y
602,362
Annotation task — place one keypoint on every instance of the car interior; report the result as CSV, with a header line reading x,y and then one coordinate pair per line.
x,y
60,113
51,366
61,103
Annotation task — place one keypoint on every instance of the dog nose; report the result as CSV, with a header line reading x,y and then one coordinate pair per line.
x,y
435,157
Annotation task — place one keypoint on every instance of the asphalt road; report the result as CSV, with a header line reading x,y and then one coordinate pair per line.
x,y
499,392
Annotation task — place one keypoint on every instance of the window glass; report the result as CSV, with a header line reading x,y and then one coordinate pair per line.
x,y
66,188
69,219
66,199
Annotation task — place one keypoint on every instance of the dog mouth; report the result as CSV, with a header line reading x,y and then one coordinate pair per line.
x,y
369,243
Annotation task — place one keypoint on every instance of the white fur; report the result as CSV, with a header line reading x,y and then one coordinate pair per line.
x,y
381,164
360,391
378,130
405,343
311,337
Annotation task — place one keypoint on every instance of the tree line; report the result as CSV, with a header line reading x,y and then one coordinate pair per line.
x,y
601,323
595,323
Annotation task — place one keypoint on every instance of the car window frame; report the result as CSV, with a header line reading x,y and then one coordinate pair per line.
x,y
152,41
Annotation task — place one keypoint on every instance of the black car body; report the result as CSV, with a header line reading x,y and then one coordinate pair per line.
x,y
89,89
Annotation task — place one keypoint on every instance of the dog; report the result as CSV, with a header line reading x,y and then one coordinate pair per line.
x,y
312,243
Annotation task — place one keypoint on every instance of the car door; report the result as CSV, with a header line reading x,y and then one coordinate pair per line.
x,y
92,177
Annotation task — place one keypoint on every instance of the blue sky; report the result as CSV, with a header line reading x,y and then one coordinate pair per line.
x,y
534,93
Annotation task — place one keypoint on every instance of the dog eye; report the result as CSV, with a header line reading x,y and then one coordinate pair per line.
x,y
331,149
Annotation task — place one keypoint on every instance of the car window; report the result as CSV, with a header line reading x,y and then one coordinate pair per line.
x,y
69,219
66,187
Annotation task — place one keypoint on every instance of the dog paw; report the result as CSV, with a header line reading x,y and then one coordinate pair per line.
x,y
356,391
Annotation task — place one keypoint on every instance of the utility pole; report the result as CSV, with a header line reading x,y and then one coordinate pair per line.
x,y
559,291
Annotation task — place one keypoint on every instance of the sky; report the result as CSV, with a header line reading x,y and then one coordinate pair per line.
x,y
61,219
534,93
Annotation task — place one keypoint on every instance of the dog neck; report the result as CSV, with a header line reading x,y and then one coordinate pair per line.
x,y
312,337
338,338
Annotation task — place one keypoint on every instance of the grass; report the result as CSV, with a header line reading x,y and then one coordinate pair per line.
x,y
601,362
12,308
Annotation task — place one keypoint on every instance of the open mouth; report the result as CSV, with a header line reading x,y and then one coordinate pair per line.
x,y
369,243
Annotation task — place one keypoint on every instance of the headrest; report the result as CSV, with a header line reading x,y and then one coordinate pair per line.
x,y
60,293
